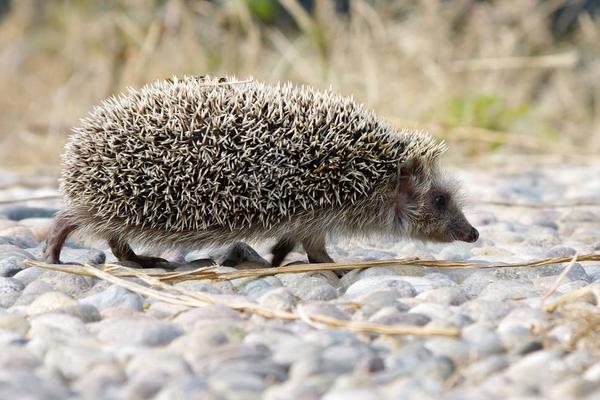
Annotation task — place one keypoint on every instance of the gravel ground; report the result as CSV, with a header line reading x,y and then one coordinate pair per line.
x,y
67,336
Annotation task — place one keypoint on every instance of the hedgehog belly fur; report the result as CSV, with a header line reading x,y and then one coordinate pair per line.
x,y
196,161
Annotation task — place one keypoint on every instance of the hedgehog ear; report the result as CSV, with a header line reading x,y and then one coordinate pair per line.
x,y
407,177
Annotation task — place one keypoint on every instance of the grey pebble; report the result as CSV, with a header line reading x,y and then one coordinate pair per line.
x,y
237,385
353,393
508,290
485,310
12,260
456,350
574,387
13,357
393,316
10,290
101,381
323,308
278,299
540,369
310,388
482,340
135,331
17,213
314,289
14,323
401,285
209,312
207,337
480,370
444,295
406,359
26,384
224,287
82,256
115,297
255,288
187,387
28,275
70,284
476,282
435,370
22,241
32,291
74,359
50,301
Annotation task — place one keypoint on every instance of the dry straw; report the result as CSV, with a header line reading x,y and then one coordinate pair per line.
x,y
157,288
178,296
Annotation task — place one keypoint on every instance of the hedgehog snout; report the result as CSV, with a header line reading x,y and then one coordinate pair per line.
x,y
473,236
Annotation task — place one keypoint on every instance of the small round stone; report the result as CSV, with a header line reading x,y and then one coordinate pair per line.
x,y
10,290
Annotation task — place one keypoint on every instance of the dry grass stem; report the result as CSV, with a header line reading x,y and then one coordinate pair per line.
x,y
558,281
570,297
178,296
211,273
159,289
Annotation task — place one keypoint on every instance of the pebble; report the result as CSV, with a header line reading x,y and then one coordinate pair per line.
x,y
72,285
115,297
51,326
14,323
507,290
393,316
257,287
444,295
314,289
12,260
278,299
29,275
18,213
32,291
100,381
401,285
74,360
50,301
135,331
186,388
542,369
19,236
482,369
10,290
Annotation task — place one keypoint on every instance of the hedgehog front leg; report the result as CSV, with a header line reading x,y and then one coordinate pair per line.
x,y
281,249
124,252
60,229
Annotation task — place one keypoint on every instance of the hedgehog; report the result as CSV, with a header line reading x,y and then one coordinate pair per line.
x,y
200,161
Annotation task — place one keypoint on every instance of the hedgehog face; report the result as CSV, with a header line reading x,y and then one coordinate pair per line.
x,y
429,207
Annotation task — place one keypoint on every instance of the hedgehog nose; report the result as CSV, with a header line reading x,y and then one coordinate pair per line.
x,y
473,235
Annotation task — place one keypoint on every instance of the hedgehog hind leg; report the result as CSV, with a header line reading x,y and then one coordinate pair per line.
x,y
316,251
62,226
124,252
281,249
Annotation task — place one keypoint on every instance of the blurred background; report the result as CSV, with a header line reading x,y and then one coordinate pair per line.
x,y
491,77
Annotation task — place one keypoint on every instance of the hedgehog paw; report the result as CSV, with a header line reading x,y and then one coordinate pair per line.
x,y
149,262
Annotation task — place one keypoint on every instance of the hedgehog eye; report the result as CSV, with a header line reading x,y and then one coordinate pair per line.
x,y
440,202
